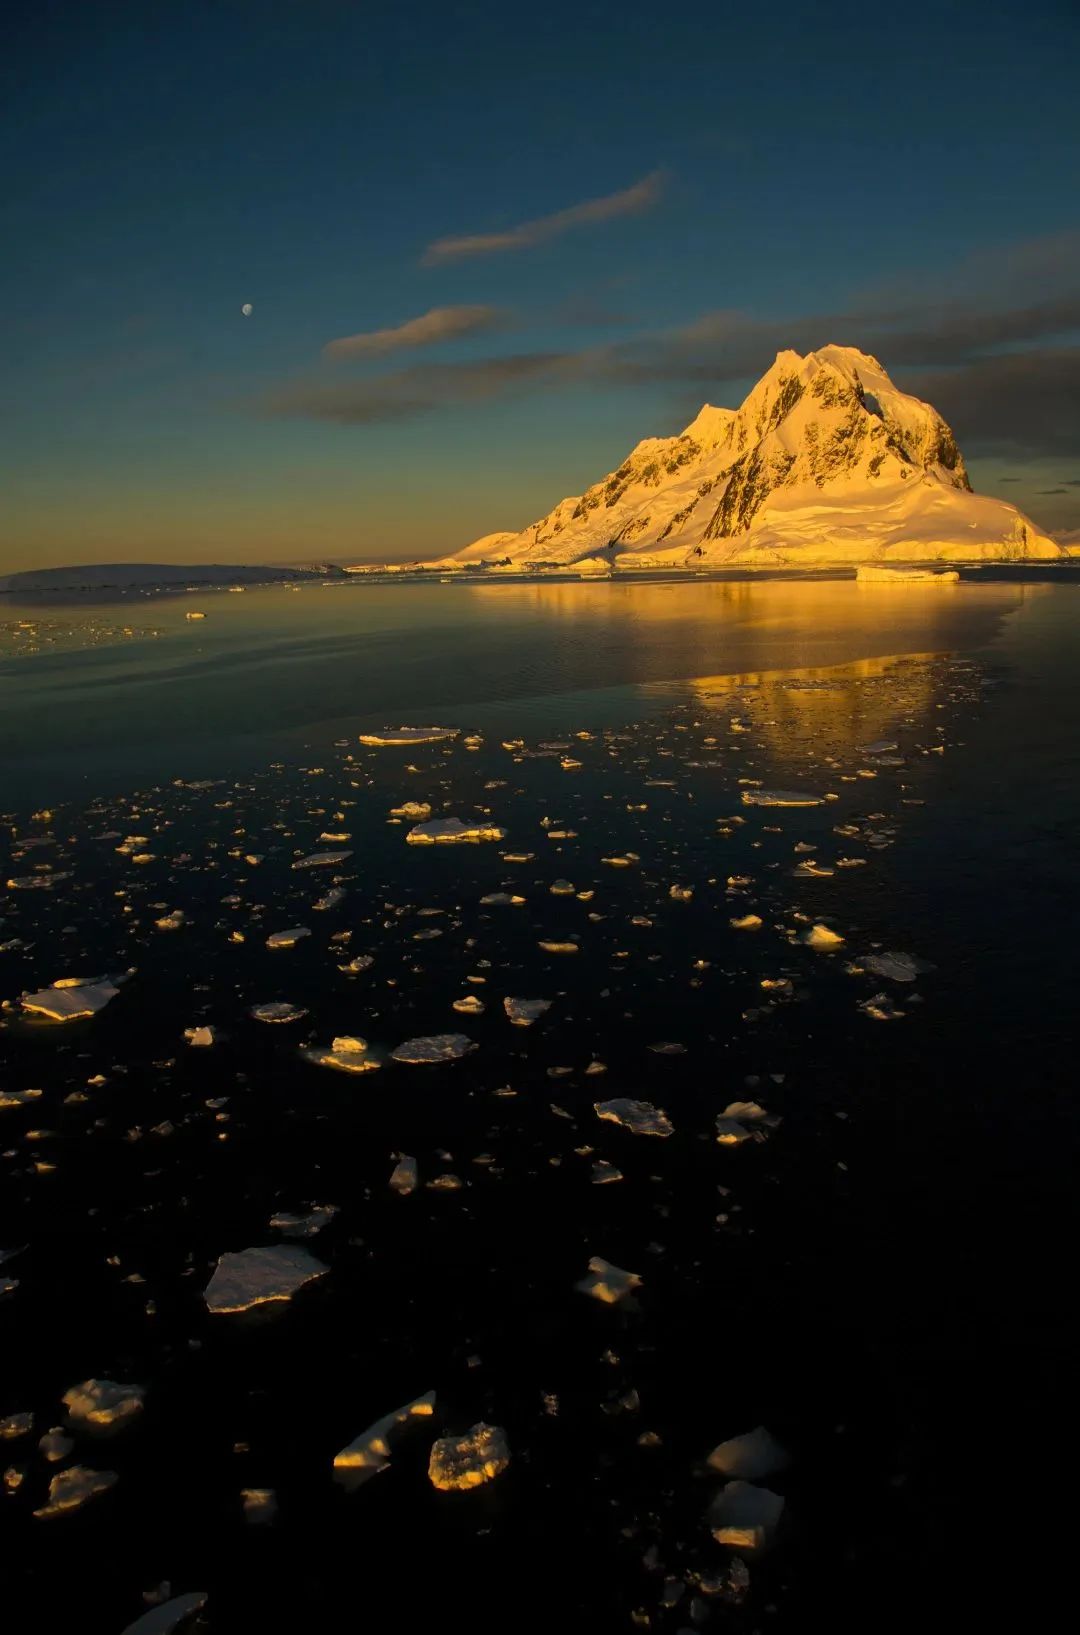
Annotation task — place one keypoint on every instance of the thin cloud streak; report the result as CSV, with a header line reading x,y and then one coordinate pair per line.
x,y
631,201
440,324
405,393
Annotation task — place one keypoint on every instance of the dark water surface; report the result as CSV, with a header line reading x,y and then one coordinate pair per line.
x,y
883,1281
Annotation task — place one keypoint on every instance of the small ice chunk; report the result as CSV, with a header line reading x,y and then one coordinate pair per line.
x,y
458,1463
640,1116
15,1425
54,1445
321,860
881,1008
603,1173
370,1452
751,1456
562,888
746,922
470,1004
251,1277
445,831
742,1121
780,797
278,1010
18,1098
71,998
103,1405
417,810
883,746
358,963
287,939
607,1282
821,937
260,1505
200,1038
895,967
405,1176
523,1012
173,921
347,1053
304,1226
72,1488
560,947
408,735
330,899
743,1516
433,1047
167,1617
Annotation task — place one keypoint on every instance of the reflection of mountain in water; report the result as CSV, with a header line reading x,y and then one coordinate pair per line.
x,y
825,714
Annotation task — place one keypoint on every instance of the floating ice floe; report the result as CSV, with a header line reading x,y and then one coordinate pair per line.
x,y
347,1053
882,747
321,860
606,1282
560,947
72,1488
173,921
810,868
743,1121
744,1516
304,1226
370,1452
895,967
417,810
562,888
408,735
358,963
13,1426
277,1010
524,1012
501,899
167,1617
37,882
103,1406
639,1116
433,1047
746,922
252,1277
405,1176
780,797
445,831
18,1098
821,937
288,939
458,1463
200,1038
330,899
469,1005
750,1457
72,998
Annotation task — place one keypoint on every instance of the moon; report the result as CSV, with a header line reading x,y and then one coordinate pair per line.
x,y
247,309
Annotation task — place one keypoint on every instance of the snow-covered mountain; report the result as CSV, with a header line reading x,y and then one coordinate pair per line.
x,y
825,462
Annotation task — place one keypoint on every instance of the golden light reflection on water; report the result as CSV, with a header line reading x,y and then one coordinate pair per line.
x,y
744,627
827,710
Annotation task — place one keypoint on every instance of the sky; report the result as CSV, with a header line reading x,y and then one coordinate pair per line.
x,y
488,248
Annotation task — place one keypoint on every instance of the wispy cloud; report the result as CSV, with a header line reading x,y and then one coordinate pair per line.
x,y
403,394
440,324
629,202
1003,370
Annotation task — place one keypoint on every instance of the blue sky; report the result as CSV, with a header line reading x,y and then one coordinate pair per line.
x,y
902,180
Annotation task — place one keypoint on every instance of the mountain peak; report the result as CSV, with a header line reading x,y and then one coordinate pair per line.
x,y
826,460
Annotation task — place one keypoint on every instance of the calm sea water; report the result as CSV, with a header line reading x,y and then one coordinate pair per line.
x,y
272,671
882,1282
